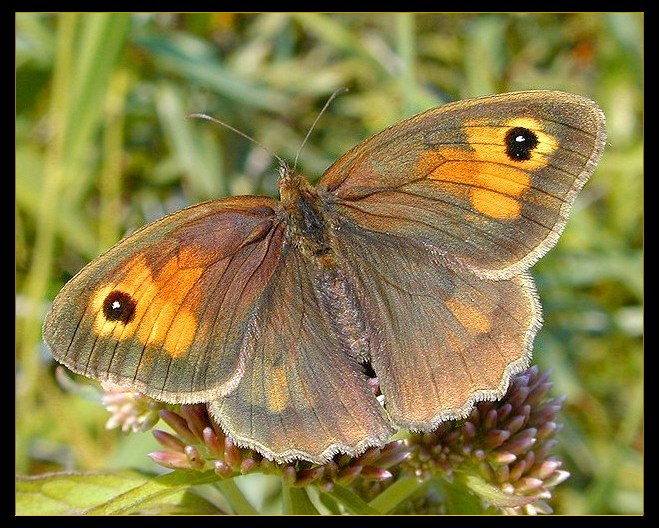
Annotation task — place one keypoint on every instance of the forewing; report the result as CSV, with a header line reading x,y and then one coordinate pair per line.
x,y
165,311
487,183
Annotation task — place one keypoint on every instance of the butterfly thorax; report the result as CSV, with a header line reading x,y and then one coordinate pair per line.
x,y
306,224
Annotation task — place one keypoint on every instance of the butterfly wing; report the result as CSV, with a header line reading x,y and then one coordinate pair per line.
x,y
435,222
304,393
439,340
486,183
169,309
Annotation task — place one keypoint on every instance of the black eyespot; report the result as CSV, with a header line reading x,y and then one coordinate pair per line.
x,y
520,143
119,306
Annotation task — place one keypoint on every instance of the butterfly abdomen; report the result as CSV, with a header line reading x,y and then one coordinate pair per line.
x,y
338,298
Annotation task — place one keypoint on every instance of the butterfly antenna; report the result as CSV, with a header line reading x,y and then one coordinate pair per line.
x,y
304,142
240,133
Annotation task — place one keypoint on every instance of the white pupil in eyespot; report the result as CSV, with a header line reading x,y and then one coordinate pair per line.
x,y
116,305
520,139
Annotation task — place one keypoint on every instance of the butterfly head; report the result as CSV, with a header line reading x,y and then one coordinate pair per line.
x,y
293,187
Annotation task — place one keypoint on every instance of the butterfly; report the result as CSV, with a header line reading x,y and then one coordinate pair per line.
x,y
407,262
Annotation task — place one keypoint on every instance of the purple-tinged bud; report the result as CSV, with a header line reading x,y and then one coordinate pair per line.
x,y
170,459
167,440
178,424
194,457
495,438
212,443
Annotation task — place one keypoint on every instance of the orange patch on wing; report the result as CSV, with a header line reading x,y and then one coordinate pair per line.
x,y
487,176
494,204
469,317
277,394
163,314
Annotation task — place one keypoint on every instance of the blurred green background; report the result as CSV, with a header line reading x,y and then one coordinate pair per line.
x,y
103,146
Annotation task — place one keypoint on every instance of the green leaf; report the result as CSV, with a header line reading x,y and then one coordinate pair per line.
x,y
101,41
235,497
395,494
110,493
330,503
192,59
189,144
70,492
494,495
297,502
330,30
352,502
